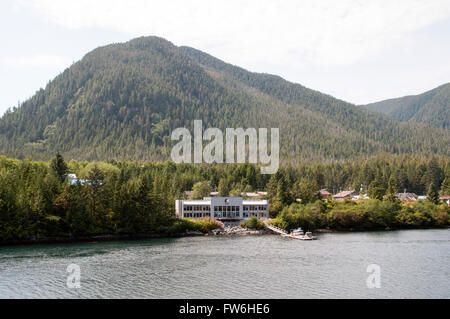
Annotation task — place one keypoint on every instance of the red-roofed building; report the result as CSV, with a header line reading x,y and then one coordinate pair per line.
x,y
325,194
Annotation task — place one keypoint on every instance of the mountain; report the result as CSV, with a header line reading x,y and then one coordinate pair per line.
x,y
431,107
122,101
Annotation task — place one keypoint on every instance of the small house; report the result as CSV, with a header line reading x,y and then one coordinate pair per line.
x,y
345,195
325,195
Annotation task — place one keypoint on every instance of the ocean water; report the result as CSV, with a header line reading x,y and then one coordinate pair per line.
x,y
412,264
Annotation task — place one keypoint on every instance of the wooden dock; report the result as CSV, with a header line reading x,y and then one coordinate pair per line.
x,y
277,230
283,233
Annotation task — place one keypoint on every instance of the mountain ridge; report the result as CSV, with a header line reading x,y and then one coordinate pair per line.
x,y
431,107
122,100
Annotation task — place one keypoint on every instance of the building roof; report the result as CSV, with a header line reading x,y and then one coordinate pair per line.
x,y
255,202
197,201
406,195
253,194
344,194
446,197
249,194
324,192
358,197
207,201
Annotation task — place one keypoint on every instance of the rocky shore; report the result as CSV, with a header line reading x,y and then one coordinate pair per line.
x,y
231,231
239,231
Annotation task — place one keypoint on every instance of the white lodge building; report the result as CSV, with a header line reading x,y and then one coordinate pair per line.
x,y
222,208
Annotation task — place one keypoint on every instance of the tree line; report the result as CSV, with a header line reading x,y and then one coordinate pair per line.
x,y
130,197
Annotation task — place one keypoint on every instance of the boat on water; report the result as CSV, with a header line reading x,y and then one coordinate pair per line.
x,y
299,234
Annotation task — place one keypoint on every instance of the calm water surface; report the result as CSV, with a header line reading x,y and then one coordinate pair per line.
x,y
414,264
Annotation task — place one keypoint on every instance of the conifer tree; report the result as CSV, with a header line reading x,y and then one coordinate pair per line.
x,y
391,190
200,190
432,194
376,190
224,187
59,167
445,188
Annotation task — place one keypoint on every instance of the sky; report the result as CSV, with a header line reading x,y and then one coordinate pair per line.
x,y
360,51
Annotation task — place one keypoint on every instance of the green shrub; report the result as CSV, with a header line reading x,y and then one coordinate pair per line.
x,y
309,217
181,225
367,214
345,218
204,225
275,208
253,223
424,214
280,223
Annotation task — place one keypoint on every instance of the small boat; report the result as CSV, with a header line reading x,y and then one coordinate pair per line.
x,y
299,234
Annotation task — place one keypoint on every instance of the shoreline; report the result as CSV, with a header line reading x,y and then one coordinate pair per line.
x,y
213,233
362,230
111,238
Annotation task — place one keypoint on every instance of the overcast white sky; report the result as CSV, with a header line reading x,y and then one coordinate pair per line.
x,y
358,50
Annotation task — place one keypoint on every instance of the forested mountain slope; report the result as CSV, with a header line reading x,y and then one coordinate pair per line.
x,y
123,100
431,107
